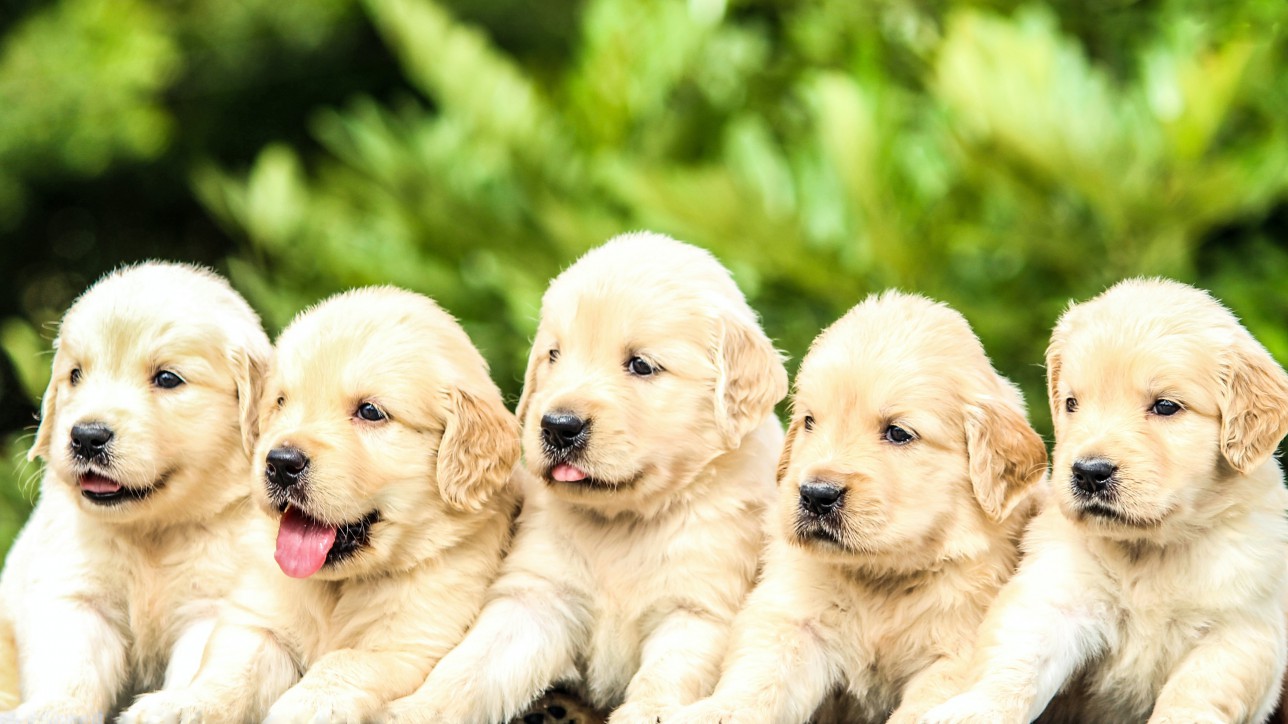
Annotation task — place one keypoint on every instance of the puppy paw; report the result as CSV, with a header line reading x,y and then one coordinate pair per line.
x,y
969,708
410,711
54,712
308,707
636,712
1185,716
167,707
703,712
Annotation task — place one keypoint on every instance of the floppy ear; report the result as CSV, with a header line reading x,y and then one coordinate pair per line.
x,y
785,457
48,407
478,451
1053,376
529,383
1006,456
1254,412
250,368
751,379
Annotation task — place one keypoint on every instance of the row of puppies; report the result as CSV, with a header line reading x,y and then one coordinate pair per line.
x,y
908,475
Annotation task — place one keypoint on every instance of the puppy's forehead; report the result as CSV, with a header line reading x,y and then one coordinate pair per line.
x,y
175,308
894,342
1145,337
644,286
895,357
379,335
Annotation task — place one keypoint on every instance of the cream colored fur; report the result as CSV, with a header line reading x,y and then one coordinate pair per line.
x,y
882,597
624,588
109,600
440,470
1171,607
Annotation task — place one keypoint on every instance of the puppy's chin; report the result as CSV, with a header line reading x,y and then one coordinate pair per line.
x,y
111,493
1110,519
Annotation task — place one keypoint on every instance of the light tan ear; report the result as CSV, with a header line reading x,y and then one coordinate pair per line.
x,y
478,451
1254,411
48,408
1006,456
751,379
529,381
1053,376
785,457
250,367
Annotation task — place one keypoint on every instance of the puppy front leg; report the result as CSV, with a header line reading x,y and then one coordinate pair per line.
x,y
1029,646
1232,675
72,664
679,664
521,643
349,685
779,670
933,685
243,671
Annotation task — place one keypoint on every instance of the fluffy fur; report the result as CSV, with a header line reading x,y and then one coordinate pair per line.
x,y
112,597
436,475
1162,598
622,586
881,594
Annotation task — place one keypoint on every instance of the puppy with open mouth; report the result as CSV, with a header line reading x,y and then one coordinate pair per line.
x,y
385,467
907,477
1155,589
647,415
113,586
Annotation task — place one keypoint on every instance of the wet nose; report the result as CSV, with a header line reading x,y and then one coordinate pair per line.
x,y
820,497
285,466
562,430
1093,475
90,439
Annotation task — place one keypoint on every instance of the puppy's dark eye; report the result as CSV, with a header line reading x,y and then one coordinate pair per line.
x,y
897,435
76,376
808,422
281,401
640,368
1166,408
554,355
370,412
167,380
1070,404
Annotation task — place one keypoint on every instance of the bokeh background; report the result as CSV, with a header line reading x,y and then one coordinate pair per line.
x,y
1005,157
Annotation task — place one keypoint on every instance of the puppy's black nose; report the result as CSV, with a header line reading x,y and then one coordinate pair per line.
x,y
285,466
820,497
90,439
562,430
1093,475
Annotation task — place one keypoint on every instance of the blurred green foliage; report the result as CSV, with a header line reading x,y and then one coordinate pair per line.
x,y
1004,157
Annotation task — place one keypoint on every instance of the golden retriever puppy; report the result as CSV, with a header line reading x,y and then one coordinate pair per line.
x,y
905,483
384,462
114,584
1155,589
647,412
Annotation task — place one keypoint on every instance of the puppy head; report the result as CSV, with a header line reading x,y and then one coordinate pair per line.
x,y
155,380
905,445
1159,397
647,364
381,436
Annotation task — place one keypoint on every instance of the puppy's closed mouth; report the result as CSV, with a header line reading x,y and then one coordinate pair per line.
x,y
102,490
306,544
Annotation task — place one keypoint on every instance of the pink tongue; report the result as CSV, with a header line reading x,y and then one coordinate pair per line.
x,y
566,473
95,483
302,544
